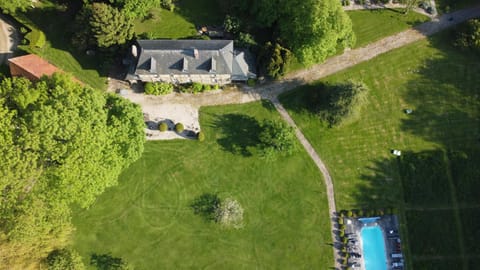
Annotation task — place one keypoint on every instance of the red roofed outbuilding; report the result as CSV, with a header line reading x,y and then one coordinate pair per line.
x,y
31,67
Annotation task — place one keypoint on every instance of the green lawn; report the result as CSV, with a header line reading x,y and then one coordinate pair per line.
x,y
372,25
201,12
440,142
147,219
165,24
55,22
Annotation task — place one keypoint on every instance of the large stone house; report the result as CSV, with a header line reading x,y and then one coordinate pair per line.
x,y
186,61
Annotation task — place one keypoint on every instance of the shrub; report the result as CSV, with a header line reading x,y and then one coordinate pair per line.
x,y
158,88
163,126
168,5
245,40
179,127
340,221
468,35
231,24
64,259
197,87
216,87
274,59
277,137
207,87
230,213
201,136
251,82
349,213
360,213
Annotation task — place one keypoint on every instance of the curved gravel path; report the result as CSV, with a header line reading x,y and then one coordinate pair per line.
x,y
272,90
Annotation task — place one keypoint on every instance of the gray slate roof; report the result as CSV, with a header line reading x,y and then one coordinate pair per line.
x,y
185,57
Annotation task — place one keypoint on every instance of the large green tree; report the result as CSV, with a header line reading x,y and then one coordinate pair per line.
x,y
311,29
102,25
62,144
10,6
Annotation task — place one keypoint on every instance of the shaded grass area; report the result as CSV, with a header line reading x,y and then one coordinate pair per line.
x,y
440,84
201,12
437,227
162,23
471,230
428,264
372,25
451,5
55,22
465,172
147,220
424,178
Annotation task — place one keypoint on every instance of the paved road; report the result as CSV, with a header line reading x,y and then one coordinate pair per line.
x,y
348,59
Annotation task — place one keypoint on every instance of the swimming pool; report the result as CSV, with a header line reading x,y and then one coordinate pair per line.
x,y
373,246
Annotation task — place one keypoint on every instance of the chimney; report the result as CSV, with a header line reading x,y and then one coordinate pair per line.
x,y
195,53
184,65
213,65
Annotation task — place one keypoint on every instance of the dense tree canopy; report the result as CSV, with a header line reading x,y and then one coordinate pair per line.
x,y
311,29
102,25
468,35
61,144
10,6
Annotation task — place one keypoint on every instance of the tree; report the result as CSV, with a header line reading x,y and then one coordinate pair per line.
x,y
61,144
344,102
229,213
311,29
102,25
10,6
110,26
314,29
64,259
277,136
468,35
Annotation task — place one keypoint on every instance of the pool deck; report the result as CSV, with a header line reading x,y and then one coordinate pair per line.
x,y
389,226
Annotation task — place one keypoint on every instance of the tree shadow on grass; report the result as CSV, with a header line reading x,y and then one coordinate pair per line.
x,y
240,133
107,262
446,98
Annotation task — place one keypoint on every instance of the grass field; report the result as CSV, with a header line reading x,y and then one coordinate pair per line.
x,y
54,22
165,24
440,141
372,25
147,219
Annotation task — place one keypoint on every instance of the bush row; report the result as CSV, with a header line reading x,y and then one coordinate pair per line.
x,y
365,213
158,88
163,88
179,128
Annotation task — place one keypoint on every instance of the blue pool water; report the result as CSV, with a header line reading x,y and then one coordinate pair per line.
x,y
373,246
368,220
